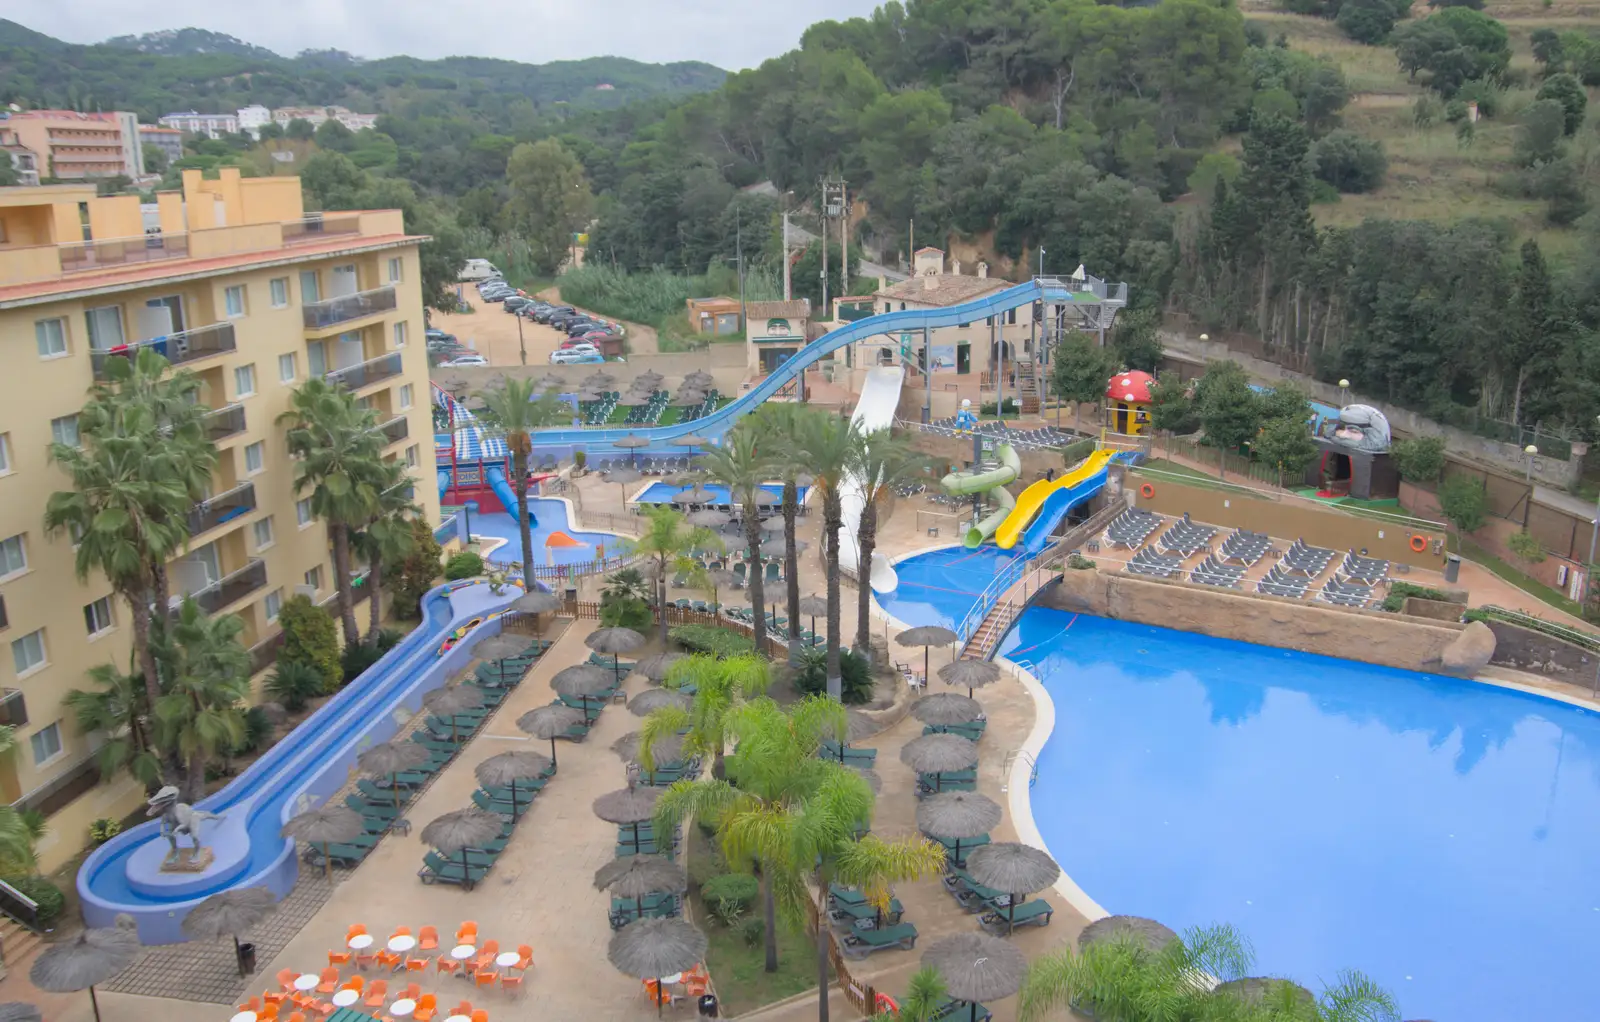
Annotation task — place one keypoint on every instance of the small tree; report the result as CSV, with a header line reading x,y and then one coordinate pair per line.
x,y
411,578
310,638
1463,503
1526,546
1539,133
1136,342
1286,444
1349,162
1229,411
1565,89
1419,459
1172,406
1080,370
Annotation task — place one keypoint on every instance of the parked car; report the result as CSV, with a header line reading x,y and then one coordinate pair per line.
x,y
515,302
545,315
446,347
577,344
574,357
561,319
464,360
594,337
478,269
435,334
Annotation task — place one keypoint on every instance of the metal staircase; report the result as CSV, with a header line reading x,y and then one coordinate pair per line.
x,y
1028,385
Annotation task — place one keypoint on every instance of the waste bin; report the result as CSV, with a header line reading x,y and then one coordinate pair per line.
x,y
1452,567
247,959
708,1005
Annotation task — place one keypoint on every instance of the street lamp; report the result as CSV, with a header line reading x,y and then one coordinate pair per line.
x,y
1041,260
1344,392
1532,452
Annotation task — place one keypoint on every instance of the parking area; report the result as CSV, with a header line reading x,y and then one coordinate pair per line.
x,y
500,337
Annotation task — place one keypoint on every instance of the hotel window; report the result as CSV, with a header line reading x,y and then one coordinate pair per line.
x,y
244,380
400,331
286,368
5,454
394,270
314,578
233,300
13,556
97,616
65,430
255,457
280,292
411,456
51,336
302,511
105,327
263,533
405,396
46,744
310,287
27,653
273,604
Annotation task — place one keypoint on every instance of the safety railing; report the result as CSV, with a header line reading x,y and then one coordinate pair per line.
x,y
333,311
178,348
225,422
224,507
371,371
231,587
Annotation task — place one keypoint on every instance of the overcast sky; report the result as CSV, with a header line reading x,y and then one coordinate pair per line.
x,y
732,34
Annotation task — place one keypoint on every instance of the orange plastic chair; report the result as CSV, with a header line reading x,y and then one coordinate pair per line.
x,y
268,1011
490,949
272,997
413,991
480,1015
428,938
297,1017
526,951
388,959
464,1008
356,930
511,982
400,931
355,983
376,995
467,933
337,958
364,959
286,979
416,964
253,1004
446,964
330,980
427,1004
487,977
694,987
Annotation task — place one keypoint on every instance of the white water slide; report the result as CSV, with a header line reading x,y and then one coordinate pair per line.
x,y
880,397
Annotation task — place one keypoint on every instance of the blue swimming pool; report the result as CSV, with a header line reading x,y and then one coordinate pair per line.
x,y
551,516
662,493
1439,835
939,587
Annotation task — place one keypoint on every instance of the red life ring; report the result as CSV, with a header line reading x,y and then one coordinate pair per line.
x,y
1419,543
886,1003
1147,490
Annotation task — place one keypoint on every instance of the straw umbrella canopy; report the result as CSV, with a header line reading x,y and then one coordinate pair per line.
x,y
689,397
710,518
774,547
957,816
926,636
635,876
871,777
18,1011
599,376
447,702
549,380
720,579
465,828
1151,934
589,395
652,948
393,759
698,375
977,967
694,495
622,477
938,753
230,913
90,958
615,641
811,606
971,673
1015,868
945,708
653,699
656,667
537,602
628,807
500,647
325,825
631,443
689,441
550,722
667,750
507,768
633,399
583,682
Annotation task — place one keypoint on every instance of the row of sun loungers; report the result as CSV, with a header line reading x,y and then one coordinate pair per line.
x,y
1146,561
1186,537
1345,594
1131,528
1366,570
1279,582
1303,559
1246,547
1212,572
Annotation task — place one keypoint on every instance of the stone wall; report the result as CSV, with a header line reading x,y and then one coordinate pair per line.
x,y
1537,653
1370,636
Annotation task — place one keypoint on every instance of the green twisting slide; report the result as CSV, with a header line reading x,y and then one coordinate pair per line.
x,y
992,484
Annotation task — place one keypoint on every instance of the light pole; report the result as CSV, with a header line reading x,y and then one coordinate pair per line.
x,y
522,348
1594,533
1344,392
1532,452
1041,260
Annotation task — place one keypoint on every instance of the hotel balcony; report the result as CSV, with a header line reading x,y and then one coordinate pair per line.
x,y
338,311
223,508
225,422
230,588
395,430
189,346
369,372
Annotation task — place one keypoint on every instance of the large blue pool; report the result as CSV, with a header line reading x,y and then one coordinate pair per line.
x,y
1439,835
550,516
662,493
940,586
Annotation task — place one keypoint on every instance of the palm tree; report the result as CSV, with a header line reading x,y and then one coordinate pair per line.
x,y
924,999
627,584
740,465
883,463
117,708
338,454
779,424
831,447
19,834
388,537
669,541
720,685
208,678
513,409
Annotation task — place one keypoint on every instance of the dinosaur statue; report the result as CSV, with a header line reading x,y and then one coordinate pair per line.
x,y
177,818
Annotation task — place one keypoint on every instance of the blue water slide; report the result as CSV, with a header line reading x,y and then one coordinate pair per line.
x,y
1059,503
720,421
444,483
502,490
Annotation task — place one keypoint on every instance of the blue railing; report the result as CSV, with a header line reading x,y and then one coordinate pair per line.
x,y
997,587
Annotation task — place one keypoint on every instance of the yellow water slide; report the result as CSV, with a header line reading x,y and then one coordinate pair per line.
x,y
1032,498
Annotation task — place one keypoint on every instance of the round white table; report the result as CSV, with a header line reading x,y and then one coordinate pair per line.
x,y
676,977
360,942
461,952
403,1007
244,1016
306,981
405,942
506,959
345,998
458,1018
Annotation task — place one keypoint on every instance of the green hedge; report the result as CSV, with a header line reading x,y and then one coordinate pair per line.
x,y
719,642
48,895
1398,591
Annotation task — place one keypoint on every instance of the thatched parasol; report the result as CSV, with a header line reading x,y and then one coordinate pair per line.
x,y
628,806
656,667
652,948
710,518
548,381
590,396
971,673
653,699
584,682
776,547
537,602
228,914
934,754
977,967
667,750
694,495
926,636
1151,934
622,477
945,708
92,957
461,830
631,443
551,722
615,641
392,759
957,816
689,397
638,875
1259,990
1015,868
720,579
811,606
871,777
773,523
633,400
505,769
17,1011
690,441
325,825
500,647
447,702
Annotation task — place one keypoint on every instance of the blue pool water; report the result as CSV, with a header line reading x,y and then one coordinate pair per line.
x,y
551,516
662,493
1439,835
940,586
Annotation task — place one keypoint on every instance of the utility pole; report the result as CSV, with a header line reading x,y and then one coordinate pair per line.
x,y
927,377
788,293
824,273
522,348
738,248
844,241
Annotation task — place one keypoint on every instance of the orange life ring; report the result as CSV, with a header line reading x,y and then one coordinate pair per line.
x,y
1419,543
1147,490
886,1003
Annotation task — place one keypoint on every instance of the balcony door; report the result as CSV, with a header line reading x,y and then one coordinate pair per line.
x,y
348,351
160,317
343,281
201,567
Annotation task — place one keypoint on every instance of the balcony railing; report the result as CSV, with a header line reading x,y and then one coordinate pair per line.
x,y
230,588
225,422
224,507
334,311
318,227
146,248
265,653
371,371
188,346
395,430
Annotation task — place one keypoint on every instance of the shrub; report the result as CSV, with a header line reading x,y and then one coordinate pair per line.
x,y
310,637
103,830
466,564
1568,91
1462,501
1539,133
1526,546
411,579
731,894
719,642
580,460
356,659
1419,459
1369,21
1078,562
625,612
292,684
705,866
389,638
752,930
1012,408
1349,162
46,894
1399,591
854,672
257,730
1427,110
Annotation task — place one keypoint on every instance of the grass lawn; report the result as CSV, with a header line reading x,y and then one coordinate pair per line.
x,y
1533,587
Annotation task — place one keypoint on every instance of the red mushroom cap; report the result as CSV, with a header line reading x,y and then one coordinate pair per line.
x,y
1131,386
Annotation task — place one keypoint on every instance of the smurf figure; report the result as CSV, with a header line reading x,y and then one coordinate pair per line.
x,y
966,422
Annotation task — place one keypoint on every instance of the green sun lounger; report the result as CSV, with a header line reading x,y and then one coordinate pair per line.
x,y
436,870
861,943
1030,913
382,797
972,731
967,845
841,895
851,916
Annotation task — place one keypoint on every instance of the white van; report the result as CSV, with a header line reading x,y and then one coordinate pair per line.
x,y
478,269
